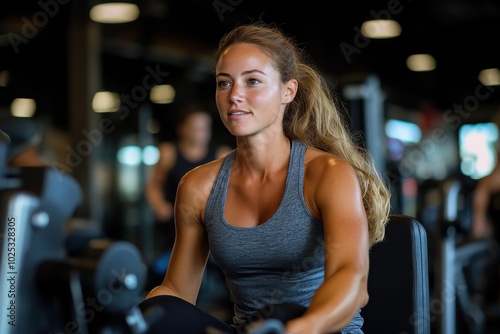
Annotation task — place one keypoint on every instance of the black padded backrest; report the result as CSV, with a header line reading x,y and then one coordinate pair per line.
x,y
398,282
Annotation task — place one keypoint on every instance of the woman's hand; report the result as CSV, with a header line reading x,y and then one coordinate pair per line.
x,y
165,212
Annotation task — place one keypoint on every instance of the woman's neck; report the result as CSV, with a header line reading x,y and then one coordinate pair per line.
x,y
263,157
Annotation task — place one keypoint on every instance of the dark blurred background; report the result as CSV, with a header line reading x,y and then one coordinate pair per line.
x,y
40,44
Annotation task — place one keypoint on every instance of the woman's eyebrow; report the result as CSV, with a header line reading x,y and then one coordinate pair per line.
x,y
243,73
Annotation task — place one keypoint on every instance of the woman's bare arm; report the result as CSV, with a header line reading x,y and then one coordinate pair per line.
x,y
334,196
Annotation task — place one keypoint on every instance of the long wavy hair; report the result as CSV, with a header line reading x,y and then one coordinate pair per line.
x,y
313,117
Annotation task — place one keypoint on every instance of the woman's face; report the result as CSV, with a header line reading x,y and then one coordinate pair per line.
x,y
250,95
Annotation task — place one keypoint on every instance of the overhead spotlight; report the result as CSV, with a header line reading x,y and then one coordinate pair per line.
x,y
380,29
114,12
105,102
162,94
490,77
421,62
22,107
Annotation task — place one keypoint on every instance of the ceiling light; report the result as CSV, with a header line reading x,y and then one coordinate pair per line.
x,y
380,29
114,12
162,94
490,77
105,102
421,62
23,107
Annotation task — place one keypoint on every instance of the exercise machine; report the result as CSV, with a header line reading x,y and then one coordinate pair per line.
x,y
45,288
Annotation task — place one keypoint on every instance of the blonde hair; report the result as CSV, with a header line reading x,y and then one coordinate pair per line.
x,y
314,119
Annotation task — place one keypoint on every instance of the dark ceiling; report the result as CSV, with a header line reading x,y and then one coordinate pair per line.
x,y
462,35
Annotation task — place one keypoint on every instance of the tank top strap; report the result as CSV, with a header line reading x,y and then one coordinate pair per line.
x,y
295,178
217,199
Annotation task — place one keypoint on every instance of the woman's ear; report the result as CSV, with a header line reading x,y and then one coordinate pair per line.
x,y
289,90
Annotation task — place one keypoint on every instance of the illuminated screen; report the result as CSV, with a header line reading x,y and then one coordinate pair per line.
x,y
478,144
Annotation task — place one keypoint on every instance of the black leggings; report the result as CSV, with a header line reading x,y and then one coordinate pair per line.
x,y
172,315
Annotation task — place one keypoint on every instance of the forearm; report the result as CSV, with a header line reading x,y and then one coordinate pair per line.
x,y
162,208
154,196
334,304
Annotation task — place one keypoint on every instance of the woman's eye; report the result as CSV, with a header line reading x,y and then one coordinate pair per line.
x,y
253,81
222,84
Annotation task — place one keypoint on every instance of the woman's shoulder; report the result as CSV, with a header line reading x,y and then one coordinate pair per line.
x,y
196,185
327,177
326,169
203,175
317,160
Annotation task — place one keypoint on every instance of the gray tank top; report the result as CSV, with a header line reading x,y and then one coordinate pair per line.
x,y
279,260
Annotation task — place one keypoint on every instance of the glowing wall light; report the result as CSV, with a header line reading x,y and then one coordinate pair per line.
x,y
404,131
150,155
477,144
130,155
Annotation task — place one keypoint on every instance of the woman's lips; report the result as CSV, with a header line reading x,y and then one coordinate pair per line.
x,y
237,114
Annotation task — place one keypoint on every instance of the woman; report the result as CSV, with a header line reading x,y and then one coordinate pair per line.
x,y
291,213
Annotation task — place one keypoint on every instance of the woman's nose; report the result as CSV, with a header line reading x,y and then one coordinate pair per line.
x,y
236,94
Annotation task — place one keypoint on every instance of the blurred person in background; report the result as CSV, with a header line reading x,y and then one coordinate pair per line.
x,y
192,147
